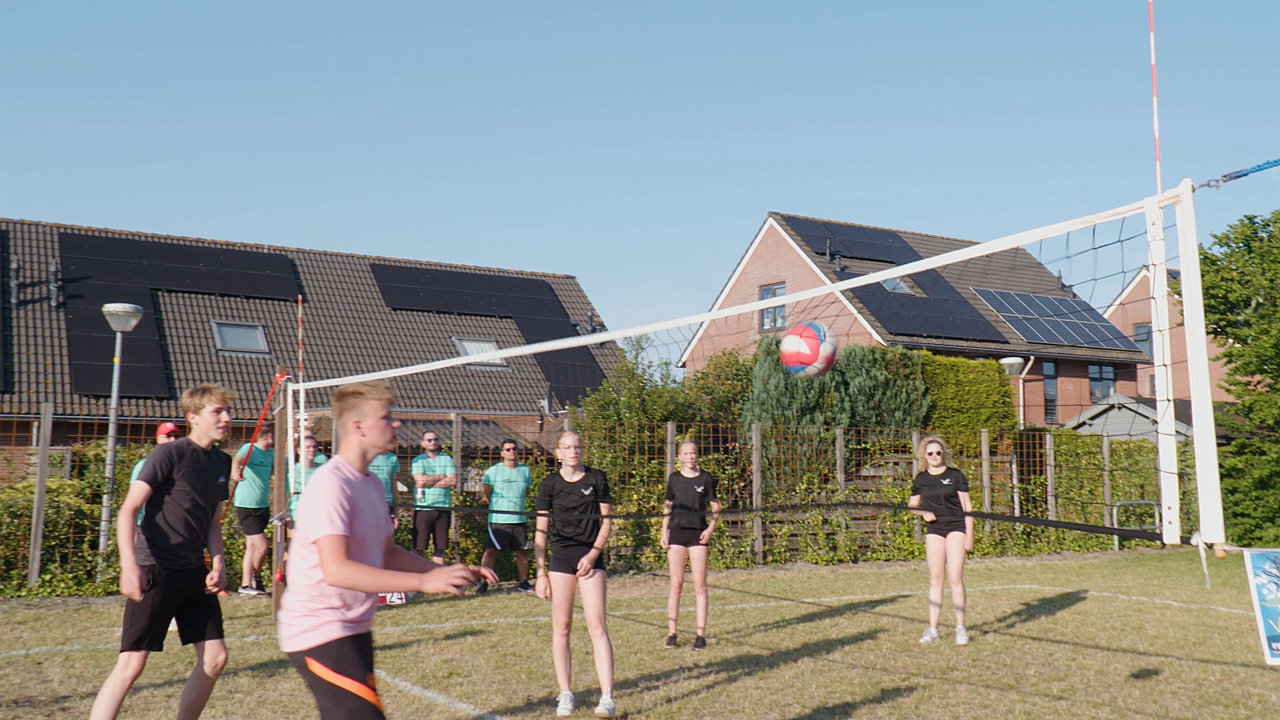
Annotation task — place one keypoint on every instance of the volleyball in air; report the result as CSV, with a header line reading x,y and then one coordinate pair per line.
x,y
808,350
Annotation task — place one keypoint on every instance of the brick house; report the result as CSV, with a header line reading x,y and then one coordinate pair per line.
x,y
227,312
950,311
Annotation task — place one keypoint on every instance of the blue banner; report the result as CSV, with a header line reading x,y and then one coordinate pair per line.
x,y
1263,567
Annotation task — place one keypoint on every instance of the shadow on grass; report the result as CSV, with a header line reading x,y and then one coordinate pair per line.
x,y
829,612
721,672
1145,673
464,634
1034,610
846,710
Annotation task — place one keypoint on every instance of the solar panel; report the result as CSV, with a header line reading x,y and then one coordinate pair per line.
x,y
1055,320
944,314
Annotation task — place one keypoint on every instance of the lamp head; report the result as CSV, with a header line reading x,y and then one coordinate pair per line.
x,y
1012,365
122,317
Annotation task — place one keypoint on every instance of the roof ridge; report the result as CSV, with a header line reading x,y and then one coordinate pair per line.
x,y
874,227
262,246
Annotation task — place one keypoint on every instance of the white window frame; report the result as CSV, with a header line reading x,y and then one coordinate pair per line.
x,y
777,315
217,337
458,342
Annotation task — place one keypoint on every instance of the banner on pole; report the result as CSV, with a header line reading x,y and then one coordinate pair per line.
x,y
1263,567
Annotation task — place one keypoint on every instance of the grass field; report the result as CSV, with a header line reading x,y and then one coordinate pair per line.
x,y
1113,635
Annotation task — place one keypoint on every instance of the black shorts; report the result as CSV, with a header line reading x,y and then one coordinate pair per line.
x,y
945,525
507,536
687,537
566,559
428,524
339,674
253,521
170,595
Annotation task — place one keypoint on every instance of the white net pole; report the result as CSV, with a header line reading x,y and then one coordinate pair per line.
x,y
1161,350
1208,482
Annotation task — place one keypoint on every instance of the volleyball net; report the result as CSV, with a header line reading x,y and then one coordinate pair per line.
x,y
1052,361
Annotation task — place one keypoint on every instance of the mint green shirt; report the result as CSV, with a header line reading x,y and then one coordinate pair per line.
x,y
385,466
430,496
137,470
510,486
254,488
298,480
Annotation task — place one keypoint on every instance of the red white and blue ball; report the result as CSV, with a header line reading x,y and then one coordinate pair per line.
x,y
808,350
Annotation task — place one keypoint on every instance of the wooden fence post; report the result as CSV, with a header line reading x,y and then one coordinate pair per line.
x,y
840,458
36,547
757,492
915,470
986,477
454,531
280,493
671,447
1049,479
1106,480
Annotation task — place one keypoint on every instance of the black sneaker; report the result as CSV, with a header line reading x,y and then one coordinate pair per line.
x,y
524,586
671,642
699,643
257,585
482,587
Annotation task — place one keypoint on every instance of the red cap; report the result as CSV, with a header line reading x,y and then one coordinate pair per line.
x,y
167,428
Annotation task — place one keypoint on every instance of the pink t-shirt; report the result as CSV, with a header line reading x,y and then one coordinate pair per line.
x,y
338,500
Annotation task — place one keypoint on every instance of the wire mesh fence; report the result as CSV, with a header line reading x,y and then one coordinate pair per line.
x,y
792,491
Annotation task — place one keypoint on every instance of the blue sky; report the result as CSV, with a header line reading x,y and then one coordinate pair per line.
x,y
637,146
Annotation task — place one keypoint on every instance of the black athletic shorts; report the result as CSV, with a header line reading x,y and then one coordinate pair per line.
x,y
687,537
170,595
566,559
253,521
945,525
507,536
428,524
339,674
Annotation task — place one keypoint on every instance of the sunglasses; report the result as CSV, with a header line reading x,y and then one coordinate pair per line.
x,y
430,439
931,453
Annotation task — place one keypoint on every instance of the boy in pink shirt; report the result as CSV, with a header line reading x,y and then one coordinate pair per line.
x,y
342,555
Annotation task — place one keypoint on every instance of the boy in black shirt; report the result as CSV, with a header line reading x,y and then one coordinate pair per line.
x,y
162,570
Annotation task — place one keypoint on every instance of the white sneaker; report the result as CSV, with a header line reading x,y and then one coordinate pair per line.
x,y
607,707
564,704
962,635
930,636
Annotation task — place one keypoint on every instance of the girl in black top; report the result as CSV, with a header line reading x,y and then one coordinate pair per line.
x,y
685,535
942,495
577,544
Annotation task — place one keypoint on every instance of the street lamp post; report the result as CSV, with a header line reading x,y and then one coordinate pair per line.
x,y
123,318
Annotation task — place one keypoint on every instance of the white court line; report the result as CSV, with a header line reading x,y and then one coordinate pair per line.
x,y
437,698
736,606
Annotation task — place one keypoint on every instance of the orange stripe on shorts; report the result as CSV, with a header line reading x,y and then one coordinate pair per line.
x,y
346,683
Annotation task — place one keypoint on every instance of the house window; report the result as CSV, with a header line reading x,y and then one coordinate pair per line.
x,y
1050,368
1102,382
900,285
774,318
1142,337
477,346
239,337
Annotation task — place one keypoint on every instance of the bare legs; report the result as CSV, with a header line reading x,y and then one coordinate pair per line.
x,y
211,658
592,590
522,561
697,557
945,557
255,552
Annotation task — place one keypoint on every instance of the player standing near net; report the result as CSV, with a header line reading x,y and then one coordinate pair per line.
x,y
685,536
252,474
942,494
577,546
385,466
162,561
433,474
342,554
505,487
302,473
166,433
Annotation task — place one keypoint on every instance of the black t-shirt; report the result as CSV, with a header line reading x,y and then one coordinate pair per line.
x,y
583,497
939,494
689,497
187,485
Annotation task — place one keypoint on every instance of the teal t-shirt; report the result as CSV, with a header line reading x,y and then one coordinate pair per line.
x,y
510,486
137,470
254,488
385,466
430,496
298,481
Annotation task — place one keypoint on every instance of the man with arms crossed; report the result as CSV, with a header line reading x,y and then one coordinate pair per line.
x,y
162,570
433,475
252,473
505,487
342,555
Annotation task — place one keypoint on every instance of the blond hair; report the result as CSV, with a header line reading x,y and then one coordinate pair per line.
x,y
687,441
348,399
195,399
933,440
567,433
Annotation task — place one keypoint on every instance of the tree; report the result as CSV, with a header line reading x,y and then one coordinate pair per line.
x,y
1241,273
719,390
640,389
